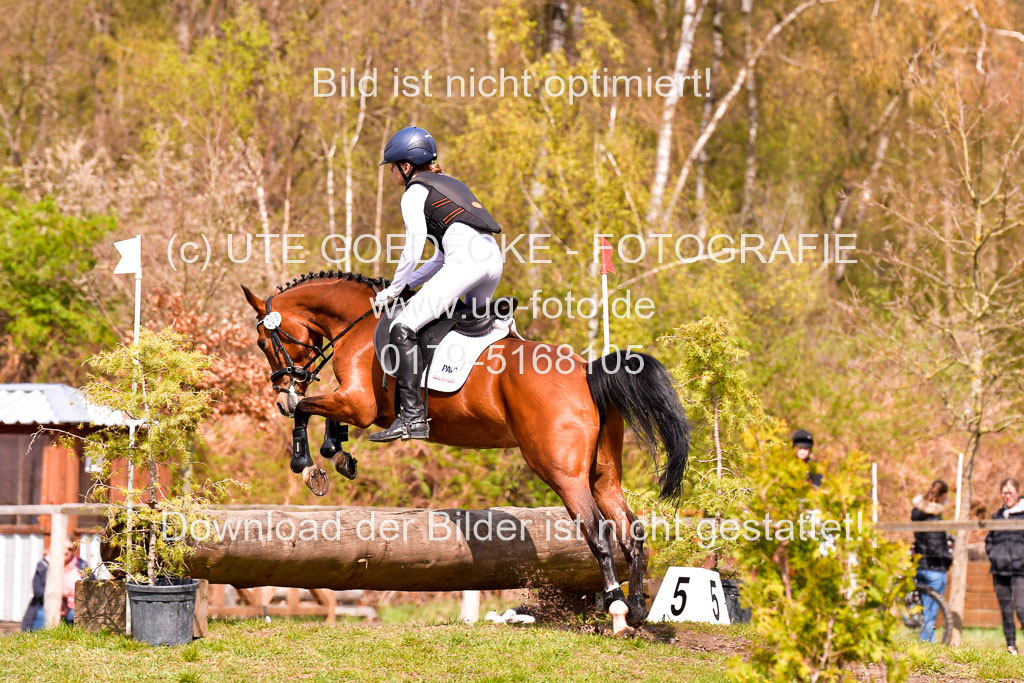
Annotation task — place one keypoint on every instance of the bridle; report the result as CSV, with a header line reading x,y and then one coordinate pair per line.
x,y
308,371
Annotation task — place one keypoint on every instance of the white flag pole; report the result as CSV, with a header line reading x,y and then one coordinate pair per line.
x,y
604,313
959,482
874,499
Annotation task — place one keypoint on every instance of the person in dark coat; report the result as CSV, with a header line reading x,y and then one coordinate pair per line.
x,y
1005,550
803,443
34,619
933,547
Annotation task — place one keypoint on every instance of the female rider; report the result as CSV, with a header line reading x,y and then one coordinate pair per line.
x,y
467,262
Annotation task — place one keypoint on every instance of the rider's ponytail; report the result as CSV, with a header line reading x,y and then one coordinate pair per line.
x,y
429,167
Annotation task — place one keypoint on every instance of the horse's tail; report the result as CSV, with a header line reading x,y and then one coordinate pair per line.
x,y
641,390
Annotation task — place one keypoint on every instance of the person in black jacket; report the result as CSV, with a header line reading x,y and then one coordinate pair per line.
x,y
933,547
803,443
1005,550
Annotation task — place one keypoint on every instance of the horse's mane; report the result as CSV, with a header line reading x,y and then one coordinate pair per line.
x,y
378,282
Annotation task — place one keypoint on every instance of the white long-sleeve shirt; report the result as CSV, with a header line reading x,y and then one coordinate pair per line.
x,y
415,219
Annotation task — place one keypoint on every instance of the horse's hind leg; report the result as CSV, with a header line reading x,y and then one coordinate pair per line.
x,y
629,531
570,480
583,509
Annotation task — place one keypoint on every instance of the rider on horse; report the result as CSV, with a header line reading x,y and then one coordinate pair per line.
x,y
467,262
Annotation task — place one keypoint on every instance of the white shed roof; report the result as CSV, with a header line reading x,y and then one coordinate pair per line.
x,y
28,404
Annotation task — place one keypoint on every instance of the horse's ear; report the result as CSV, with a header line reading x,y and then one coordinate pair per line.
x,y
254,301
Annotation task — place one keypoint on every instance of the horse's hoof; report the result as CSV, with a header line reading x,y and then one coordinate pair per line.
x,y
345,465
618,610
637,614
316,479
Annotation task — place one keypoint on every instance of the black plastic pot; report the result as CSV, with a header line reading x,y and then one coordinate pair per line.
x,y
737,615
162,614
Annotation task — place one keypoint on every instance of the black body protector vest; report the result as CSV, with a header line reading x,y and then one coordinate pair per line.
x,y
450,201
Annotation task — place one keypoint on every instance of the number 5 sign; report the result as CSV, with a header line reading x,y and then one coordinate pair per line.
x,y
690,594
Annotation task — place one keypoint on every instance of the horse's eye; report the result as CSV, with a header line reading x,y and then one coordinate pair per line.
x,y
262,343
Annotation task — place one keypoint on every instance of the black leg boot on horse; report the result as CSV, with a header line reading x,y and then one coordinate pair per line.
x,y
335,435
411,422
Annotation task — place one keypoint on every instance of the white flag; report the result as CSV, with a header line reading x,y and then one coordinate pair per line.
x,y
131,256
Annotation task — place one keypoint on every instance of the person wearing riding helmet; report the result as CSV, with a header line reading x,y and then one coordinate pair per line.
x,y
803,443
467,262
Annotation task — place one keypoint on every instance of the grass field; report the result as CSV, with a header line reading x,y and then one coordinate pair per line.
x,y
423,645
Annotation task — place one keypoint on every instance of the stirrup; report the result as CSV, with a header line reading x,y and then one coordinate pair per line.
x,y
404,430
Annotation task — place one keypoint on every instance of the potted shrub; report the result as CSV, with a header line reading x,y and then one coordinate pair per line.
x,y
156,385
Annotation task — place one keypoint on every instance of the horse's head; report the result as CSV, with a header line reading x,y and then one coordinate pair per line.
x,y
291,346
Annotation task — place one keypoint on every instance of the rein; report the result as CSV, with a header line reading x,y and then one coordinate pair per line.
x,y
321,355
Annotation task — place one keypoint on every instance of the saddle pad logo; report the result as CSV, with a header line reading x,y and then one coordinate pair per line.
x,y
457,355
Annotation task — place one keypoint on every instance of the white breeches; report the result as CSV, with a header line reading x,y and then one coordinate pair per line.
x,y
472,268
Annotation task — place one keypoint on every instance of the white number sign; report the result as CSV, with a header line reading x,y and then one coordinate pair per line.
x,y
690,594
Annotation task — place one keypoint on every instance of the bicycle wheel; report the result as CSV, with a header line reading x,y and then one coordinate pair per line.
x,y
910,610
944,613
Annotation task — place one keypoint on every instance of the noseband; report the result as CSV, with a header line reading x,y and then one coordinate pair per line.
x,y
308,371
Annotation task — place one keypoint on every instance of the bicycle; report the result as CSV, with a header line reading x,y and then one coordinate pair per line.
x,y
911,611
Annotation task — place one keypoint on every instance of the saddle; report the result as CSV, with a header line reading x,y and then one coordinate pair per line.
x,y
494,321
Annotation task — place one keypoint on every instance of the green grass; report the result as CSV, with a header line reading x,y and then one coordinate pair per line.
x,y
982,656
414,644
280,650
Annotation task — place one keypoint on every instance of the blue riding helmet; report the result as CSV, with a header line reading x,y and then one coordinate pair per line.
x,y
411,144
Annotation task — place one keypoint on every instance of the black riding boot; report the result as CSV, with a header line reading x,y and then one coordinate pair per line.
x,y
411,422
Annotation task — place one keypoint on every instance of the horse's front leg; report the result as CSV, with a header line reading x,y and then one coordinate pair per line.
x,y
301,459
339,413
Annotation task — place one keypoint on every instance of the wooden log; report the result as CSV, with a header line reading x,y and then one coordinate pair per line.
x,y
398,549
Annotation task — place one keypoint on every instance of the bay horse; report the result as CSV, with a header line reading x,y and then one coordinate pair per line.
x,y
564,414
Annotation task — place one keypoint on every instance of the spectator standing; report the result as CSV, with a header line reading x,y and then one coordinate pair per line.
x,y
1005,550
34,618
934,549
803,443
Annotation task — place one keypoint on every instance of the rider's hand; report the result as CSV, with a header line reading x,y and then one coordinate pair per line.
x,y
383,297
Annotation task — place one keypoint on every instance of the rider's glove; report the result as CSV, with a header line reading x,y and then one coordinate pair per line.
x,y
383,297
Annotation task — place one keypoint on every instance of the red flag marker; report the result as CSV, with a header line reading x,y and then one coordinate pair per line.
x,y
606,257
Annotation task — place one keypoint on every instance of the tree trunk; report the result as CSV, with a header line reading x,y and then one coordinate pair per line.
x,y
558,20
957,591
750,170
349,148
377,231
709,101
718,440
723,105
663,153
399,549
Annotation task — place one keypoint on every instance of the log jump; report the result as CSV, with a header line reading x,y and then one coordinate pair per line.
x,y
396,549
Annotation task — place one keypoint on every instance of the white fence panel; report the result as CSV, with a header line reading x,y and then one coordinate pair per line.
x,y
19,555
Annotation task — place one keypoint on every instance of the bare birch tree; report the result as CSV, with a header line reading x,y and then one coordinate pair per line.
x,y
709,102
663,153
723,105
750,167
956,267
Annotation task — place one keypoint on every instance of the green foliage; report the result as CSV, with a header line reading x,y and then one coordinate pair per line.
x,y
820,583
155,384
44,255
721,407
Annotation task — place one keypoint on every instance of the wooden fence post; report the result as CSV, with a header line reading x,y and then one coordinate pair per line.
x,y
54,594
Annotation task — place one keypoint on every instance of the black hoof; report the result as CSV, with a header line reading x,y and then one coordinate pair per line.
x,y
637,614
345,464
301,459
335,435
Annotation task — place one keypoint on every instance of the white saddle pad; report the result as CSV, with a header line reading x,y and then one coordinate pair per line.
x,y
456,356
